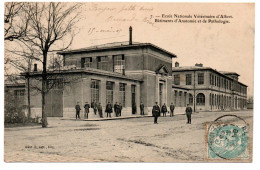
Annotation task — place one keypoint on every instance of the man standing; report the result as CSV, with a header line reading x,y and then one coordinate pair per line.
x,y
133,108
86,106
99,108
142,108
172,107
120,109
156,112
94,106
77,107
164,110
108,109
116,109
188,113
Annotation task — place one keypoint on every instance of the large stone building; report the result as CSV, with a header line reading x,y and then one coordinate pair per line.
x,y
124,72
130,73
207,89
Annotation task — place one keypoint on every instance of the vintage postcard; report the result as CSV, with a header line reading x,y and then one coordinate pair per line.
x,y
128,82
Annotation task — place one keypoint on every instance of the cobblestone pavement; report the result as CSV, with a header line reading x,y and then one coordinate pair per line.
x,y
126,140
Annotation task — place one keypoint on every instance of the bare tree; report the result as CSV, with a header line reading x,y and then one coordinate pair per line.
x,y
56,62
50,24
22,60
16,21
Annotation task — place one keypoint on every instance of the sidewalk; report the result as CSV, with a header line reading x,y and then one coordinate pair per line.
x,y
108,118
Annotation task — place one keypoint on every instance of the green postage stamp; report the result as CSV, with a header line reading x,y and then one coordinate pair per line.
x,y
227,141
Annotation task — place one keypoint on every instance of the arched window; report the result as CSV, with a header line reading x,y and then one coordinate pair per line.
x,y
200,99
190,99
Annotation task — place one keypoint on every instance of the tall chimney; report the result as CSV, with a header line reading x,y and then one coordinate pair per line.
x,y
130,35
35,68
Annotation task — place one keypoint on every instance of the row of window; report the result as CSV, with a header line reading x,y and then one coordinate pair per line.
x,y
239,88
220,82
103,63
95,92
189,79
227,84
180,99
214,80
222,101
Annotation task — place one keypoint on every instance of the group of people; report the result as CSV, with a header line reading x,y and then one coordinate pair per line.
x,y
156,112
98,108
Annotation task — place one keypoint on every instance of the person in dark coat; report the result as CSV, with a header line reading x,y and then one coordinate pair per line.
x,y
108,109
94,106
120,107
188,113
164,110
86,107
116,109
77,107
99,108
172,107
156,112
133,108
142,108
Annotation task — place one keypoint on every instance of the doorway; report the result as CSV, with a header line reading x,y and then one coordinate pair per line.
x,y
54,104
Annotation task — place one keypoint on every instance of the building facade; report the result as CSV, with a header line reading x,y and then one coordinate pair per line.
x,y
127,72
207,89
130,73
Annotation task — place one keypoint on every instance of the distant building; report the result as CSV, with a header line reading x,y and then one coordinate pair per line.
x,y
15,92
207,89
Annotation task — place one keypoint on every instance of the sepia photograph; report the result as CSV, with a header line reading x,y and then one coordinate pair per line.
x,y
128,82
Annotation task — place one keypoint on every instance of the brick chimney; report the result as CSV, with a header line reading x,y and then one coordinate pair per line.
x,y
35,68
177,64
199,64
130,35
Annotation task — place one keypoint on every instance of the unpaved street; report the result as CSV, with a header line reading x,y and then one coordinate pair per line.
x,y
127,140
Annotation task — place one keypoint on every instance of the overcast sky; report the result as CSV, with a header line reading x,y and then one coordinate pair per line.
x,y
224,47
